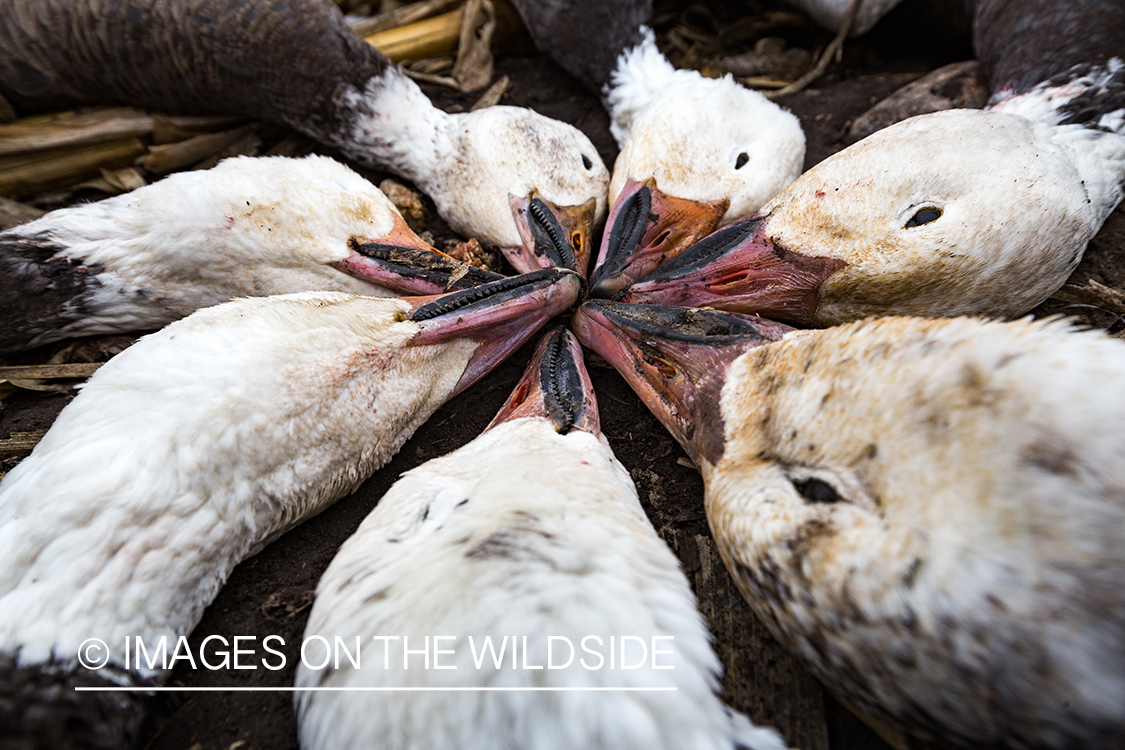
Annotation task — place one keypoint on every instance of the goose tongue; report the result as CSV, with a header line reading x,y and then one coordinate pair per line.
x,y
555,386
740,268
551,235
676,359
500,315
402,262
647,228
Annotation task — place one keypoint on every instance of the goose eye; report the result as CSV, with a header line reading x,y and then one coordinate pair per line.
x,y
740,162
816,491
923,216
586,161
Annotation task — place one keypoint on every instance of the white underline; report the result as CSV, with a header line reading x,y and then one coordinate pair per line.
x,y
371,689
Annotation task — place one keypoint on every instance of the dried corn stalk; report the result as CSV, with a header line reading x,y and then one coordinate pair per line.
x,y
403,16
24,175
77,128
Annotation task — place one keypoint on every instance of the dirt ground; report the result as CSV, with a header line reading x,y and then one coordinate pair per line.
x,y
272,592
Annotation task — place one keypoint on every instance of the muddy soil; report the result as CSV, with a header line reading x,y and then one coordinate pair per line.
x,y
271,593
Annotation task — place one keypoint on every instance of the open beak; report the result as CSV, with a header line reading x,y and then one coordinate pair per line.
x,y
551,235
403,263
646,229
555,386
740,268
500,315
676,359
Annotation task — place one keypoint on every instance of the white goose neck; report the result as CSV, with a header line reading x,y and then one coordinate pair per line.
x,y
395,126
642,73
1097,148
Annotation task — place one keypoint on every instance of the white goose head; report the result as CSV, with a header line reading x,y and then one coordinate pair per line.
x,y
534,529
297,62
930,511
958,212
257,226
481,168
695,152
248,227
206,440
508,156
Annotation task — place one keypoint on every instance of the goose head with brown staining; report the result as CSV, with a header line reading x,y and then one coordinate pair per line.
x,y
959,212
195,448
951,213
248,227
930,512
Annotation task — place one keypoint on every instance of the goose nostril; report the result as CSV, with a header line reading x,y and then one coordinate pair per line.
x,y
519,396
730,279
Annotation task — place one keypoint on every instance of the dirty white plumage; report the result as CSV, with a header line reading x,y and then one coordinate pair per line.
x,y
951,213
964,578
248,227
202,443
931,512
524,533
473,164
689,132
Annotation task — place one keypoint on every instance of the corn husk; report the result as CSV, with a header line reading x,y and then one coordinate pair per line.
x,y
13,213
402,16
20,442
173,156
29,174
103,125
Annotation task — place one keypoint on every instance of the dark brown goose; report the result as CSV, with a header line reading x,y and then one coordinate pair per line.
x,y
297,62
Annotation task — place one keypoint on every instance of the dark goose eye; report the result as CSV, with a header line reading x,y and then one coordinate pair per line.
x,y
816,491
586,161
923,216
740,162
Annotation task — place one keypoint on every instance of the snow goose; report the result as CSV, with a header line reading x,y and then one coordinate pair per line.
x,y
248,227
532,533
695,152
196,447
951,213
298,63
930,512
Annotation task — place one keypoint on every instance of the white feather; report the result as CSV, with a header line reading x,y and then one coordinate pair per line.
x,y
966,580
473,163
689,132
523,532
193,449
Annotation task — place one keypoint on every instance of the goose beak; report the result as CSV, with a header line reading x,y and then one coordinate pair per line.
x,y
647,228
402,262
500,315
555,386
551,235
740,268
676,359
